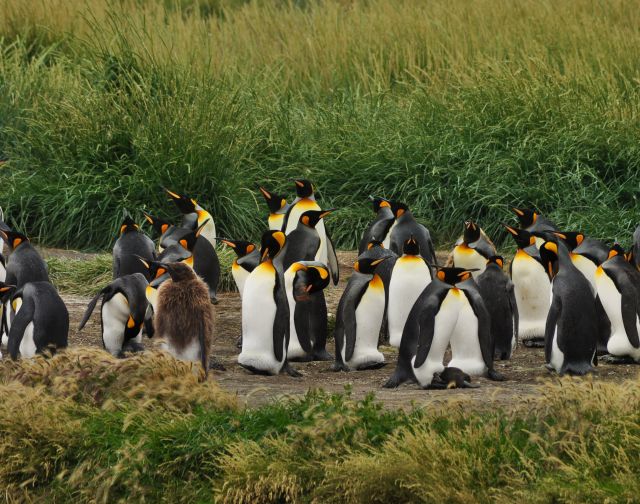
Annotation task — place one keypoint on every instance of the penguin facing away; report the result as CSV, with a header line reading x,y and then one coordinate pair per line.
x,y
40,320
619,291
169,234
265,314
410,276
499,297
130,245
248,258
195,216
406,226
184,315
380,228
572,326
473,249
122,314
25,263
278,208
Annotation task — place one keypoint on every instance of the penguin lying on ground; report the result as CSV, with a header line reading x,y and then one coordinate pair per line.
x,y
131,244
24,264
406,226
451,378
473,249
278,208
380,228
195,216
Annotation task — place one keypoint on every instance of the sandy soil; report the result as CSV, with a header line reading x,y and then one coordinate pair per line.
x,y
525,371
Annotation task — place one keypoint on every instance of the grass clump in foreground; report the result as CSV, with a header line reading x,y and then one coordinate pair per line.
x,y
82,427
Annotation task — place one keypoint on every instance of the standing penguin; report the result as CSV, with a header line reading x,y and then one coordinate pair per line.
x,y
532,221
409,278
635,250
532,288
380,228
248,258
265,314
619,291
406,226
473,249
123,313
586,253
499,297
278,208
204,260
359,316
184,315
25,264
305,201
40,320
130,245
169,234
572,326
195,216
304,282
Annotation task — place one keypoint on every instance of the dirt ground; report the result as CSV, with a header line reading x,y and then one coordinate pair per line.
x,y
525,371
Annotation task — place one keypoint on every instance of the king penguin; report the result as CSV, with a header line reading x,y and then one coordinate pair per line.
x,y
131,244
618,287
572,326
532,221
247,259
24,264
278,208
473,249
169,234
265,313
305,201
410,276
195,216
380,228
405,227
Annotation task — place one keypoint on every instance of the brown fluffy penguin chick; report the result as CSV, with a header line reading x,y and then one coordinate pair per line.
x,y
184,315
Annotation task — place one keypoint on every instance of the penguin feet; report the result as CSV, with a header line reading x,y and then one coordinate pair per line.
x,y
397,379
216,365
291,372
618,359
133,347
254,370
339,366
214,299
322,355
367,366
493,375
534,343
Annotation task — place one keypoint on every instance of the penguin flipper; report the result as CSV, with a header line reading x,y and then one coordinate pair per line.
x,y
552,322
485,338
514,310
332,258
630,309
19,325
281,322
350,324
91,306
425,337
301,317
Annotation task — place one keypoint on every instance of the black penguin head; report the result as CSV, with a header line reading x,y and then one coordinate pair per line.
x,y
453,276
304,188
526,216
616,250
180,272
309,278
411,247
373,243
271,244
185,204
189,240
497,260
13,238
522,237
549,256
160,225
367,264
471,232
570,238
240,247
379,203
275,202
399,209
156,269
312,217
128,226
6,290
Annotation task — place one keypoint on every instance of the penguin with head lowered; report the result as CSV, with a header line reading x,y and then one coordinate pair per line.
x,y
24,264
184,315
248,258
195,217
380,228
409,277
405,227
265,313
304,202
531,286
618,284
359,315
499,297
204,259
122,315
304,282
473,249
39,319
572,326
131,244
169,234
278,208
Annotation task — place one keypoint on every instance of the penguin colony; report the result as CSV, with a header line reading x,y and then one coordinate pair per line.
x,y
571,294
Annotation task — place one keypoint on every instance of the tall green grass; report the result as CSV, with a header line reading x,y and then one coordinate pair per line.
x,y
460,109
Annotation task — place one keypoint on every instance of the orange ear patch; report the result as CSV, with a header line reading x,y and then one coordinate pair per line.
x,y
441,275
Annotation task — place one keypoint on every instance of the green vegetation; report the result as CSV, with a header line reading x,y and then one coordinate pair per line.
x,y
459,108
84,427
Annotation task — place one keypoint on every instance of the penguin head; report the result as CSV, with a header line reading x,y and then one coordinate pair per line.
x,y
453,276
180,272
411,247
367,263
379,203
304,188
616,250
6,290
240,247
526,216
128,225
497,260
271,244
471,232
549,256
13,238
399,208
156,269
160,225
373,243
185,204
570,238
522,237
310,278
312,217
189,240
275,202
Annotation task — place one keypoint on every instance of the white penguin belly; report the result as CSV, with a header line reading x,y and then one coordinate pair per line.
x,y
258,316
557,357
587,268
468,258
27,345
3,271
240,276
465,344
369,314
533,291
409,278
294,350
209,229
115,314
276,221
445,322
